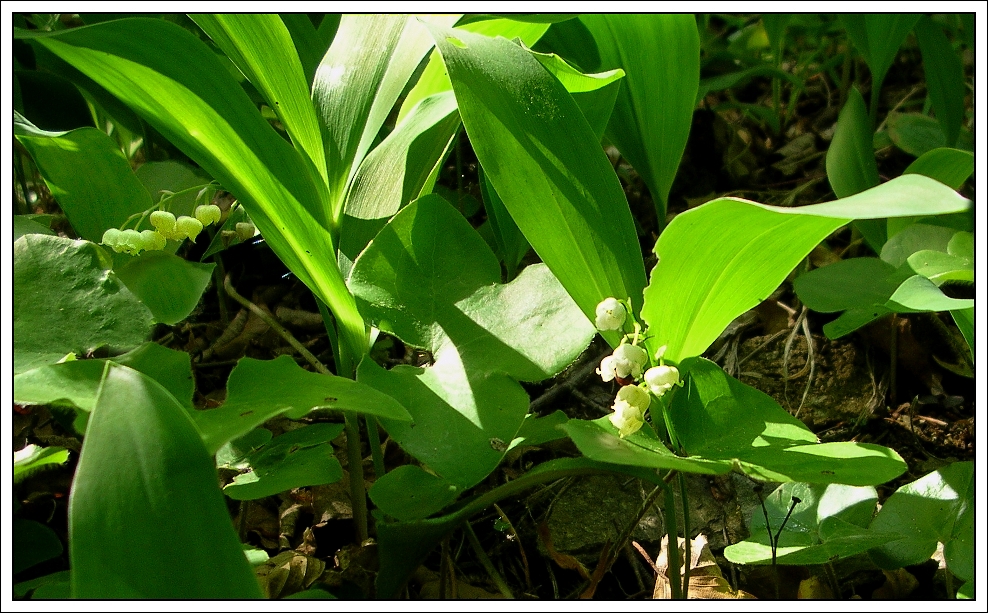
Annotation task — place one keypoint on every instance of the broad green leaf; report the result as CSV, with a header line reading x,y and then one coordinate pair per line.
x,y
429,279
309,45
178,85
261,389
176,181
358,82
540,430
940,267
24,225
878,38
167,284
511,244
300,458
42,585
827,522
916,237
75,383
851,166
918,134
697,289
69,301
598,440
964,318
938,507
33,457
262,47
716,417
397,171
408,492
660,55
146,484
952,167
944,77
595,94
89,176
547,166
917,294
33,543
434,78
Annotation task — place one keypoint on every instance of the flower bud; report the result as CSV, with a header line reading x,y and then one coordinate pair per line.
x,y
153,241
208,213
610,315
163,222
245,230
130,242
187,227
112,237
660,379
629,407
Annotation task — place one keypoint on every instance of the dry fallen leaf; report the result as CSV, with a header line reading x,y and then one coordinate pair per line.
x,y
706,579
814,588
898,584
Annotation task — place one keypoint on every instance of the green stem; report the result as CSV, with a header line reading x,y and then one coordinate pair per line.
x,y
686,534
355,467
374,440
672,530
485,561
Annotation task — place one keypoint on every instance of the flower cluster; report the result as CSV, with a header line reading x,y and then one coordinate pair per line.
x,y
627,365
166,227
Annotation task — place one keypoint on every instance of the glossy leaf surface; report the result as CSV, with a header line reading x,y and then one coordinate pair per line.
x,y
169,286
546,166
145,483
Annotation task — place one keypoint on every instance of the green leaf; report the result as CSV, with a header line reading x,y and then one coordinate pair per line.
x,y
146,484
918,294
69,301
716,417
397,171
178,85
547,166
89,176
851,166
33,543
33,457
300,458
168,285
358,82
952,167
25,225
827,522
261,389
595,94
262,48
660,55
429,279
511,244
434,78
408,493
938,507
918,134
75,383
177,181
944,77
964,318
878,38
60,579
757,247
916,237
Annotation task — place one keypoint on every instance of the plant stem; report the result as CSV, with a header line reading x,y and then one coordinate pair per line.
x,y
672,530
355,468
374,440
687,557
485,561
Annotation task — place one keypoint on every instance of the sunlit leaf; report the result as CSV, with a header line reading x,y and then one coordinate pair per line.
x,y
146,484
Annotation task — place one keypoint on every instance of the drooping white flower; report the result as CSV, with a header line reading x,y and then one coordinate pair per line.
x,y
163,222
610,315
111,237
660,379
629,407
153,240
626,361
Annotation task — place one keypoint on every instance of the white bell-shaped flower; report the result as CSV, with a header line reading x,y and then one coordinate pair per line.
x,y
610,315
627,361
660,379
208,213
629,409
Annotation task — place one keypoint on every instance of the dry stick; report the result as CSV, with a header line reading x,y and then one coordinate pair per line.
x,y
355,459
521,549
